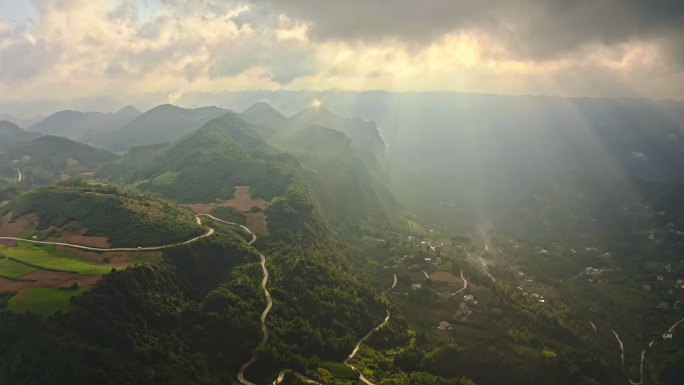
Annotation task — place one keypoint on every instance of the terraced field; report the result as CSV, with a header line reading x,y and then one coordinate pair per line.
x,y
12,269
41,300
46,257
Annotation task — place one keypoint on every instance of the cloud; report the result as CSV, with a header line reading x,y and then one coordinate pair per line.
x,y
640,156
80,48
532,29
174,96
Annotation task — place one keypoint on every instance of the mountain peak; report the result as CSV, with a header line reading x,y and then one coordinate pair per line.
x,y
6,124
316,112
128,111
258,106
164,107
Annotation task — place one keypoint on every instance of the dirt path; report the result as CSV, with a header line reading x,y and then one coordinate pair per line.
x,y
622,347
465,284
424,273
593,326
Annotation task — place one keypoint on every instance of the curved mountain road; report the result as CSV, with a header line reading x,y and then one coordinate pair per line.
x,y
358,346
254,237
465,284
209,232
622,347
671,329
264,329
88,248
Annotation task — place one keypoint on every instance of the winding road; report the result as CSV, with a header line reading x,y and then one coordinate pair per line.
x,y
209,232
465,284
19,176
358,346
269,304
593,326
264,329
622,347
254,237
671,329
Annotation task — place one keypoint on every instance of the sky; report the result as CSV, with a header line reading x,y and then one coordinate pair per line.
x,y
68,49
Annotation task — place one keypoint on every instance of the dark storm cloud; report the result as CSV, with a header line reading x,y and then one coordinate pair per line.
x,y
538,29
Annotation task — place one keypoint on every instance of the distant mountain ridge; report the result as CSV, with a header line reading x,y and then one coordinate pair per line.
x,y
263,114
11,135
162,124
49,159
83,126
206,164
364,135
23,123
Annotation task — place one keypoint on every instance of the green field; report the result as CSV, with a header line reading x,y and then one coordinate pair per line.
x,y
12,269
339,370
41,300
226,228
48,258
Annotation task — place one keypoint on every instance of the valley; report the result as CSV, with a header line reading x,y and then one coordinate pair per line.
x,y
276,250
261,192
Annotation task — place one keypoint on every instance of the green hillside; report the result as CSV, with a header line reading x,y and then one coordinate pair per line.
x,y
49,159
611,248
163,124
127,220
80,126
262,114
352,197
11,135
208,164
365,136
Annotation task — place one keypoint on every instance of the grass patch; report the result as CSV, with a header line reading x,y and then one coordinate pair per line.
x,y
12,269
339,370
165,179
48,258
414,227
41,300
27,234
229,229
229,214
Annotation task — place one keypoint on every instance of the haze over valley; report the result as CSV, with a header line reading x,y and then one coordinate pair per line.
x,y
258,192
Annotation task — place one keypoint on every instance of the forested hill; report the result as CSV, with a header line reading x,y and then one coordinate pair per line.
x,y
11,135
352,196
163,124
191,320
49,159
81,126
364,135
208,164
127,220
